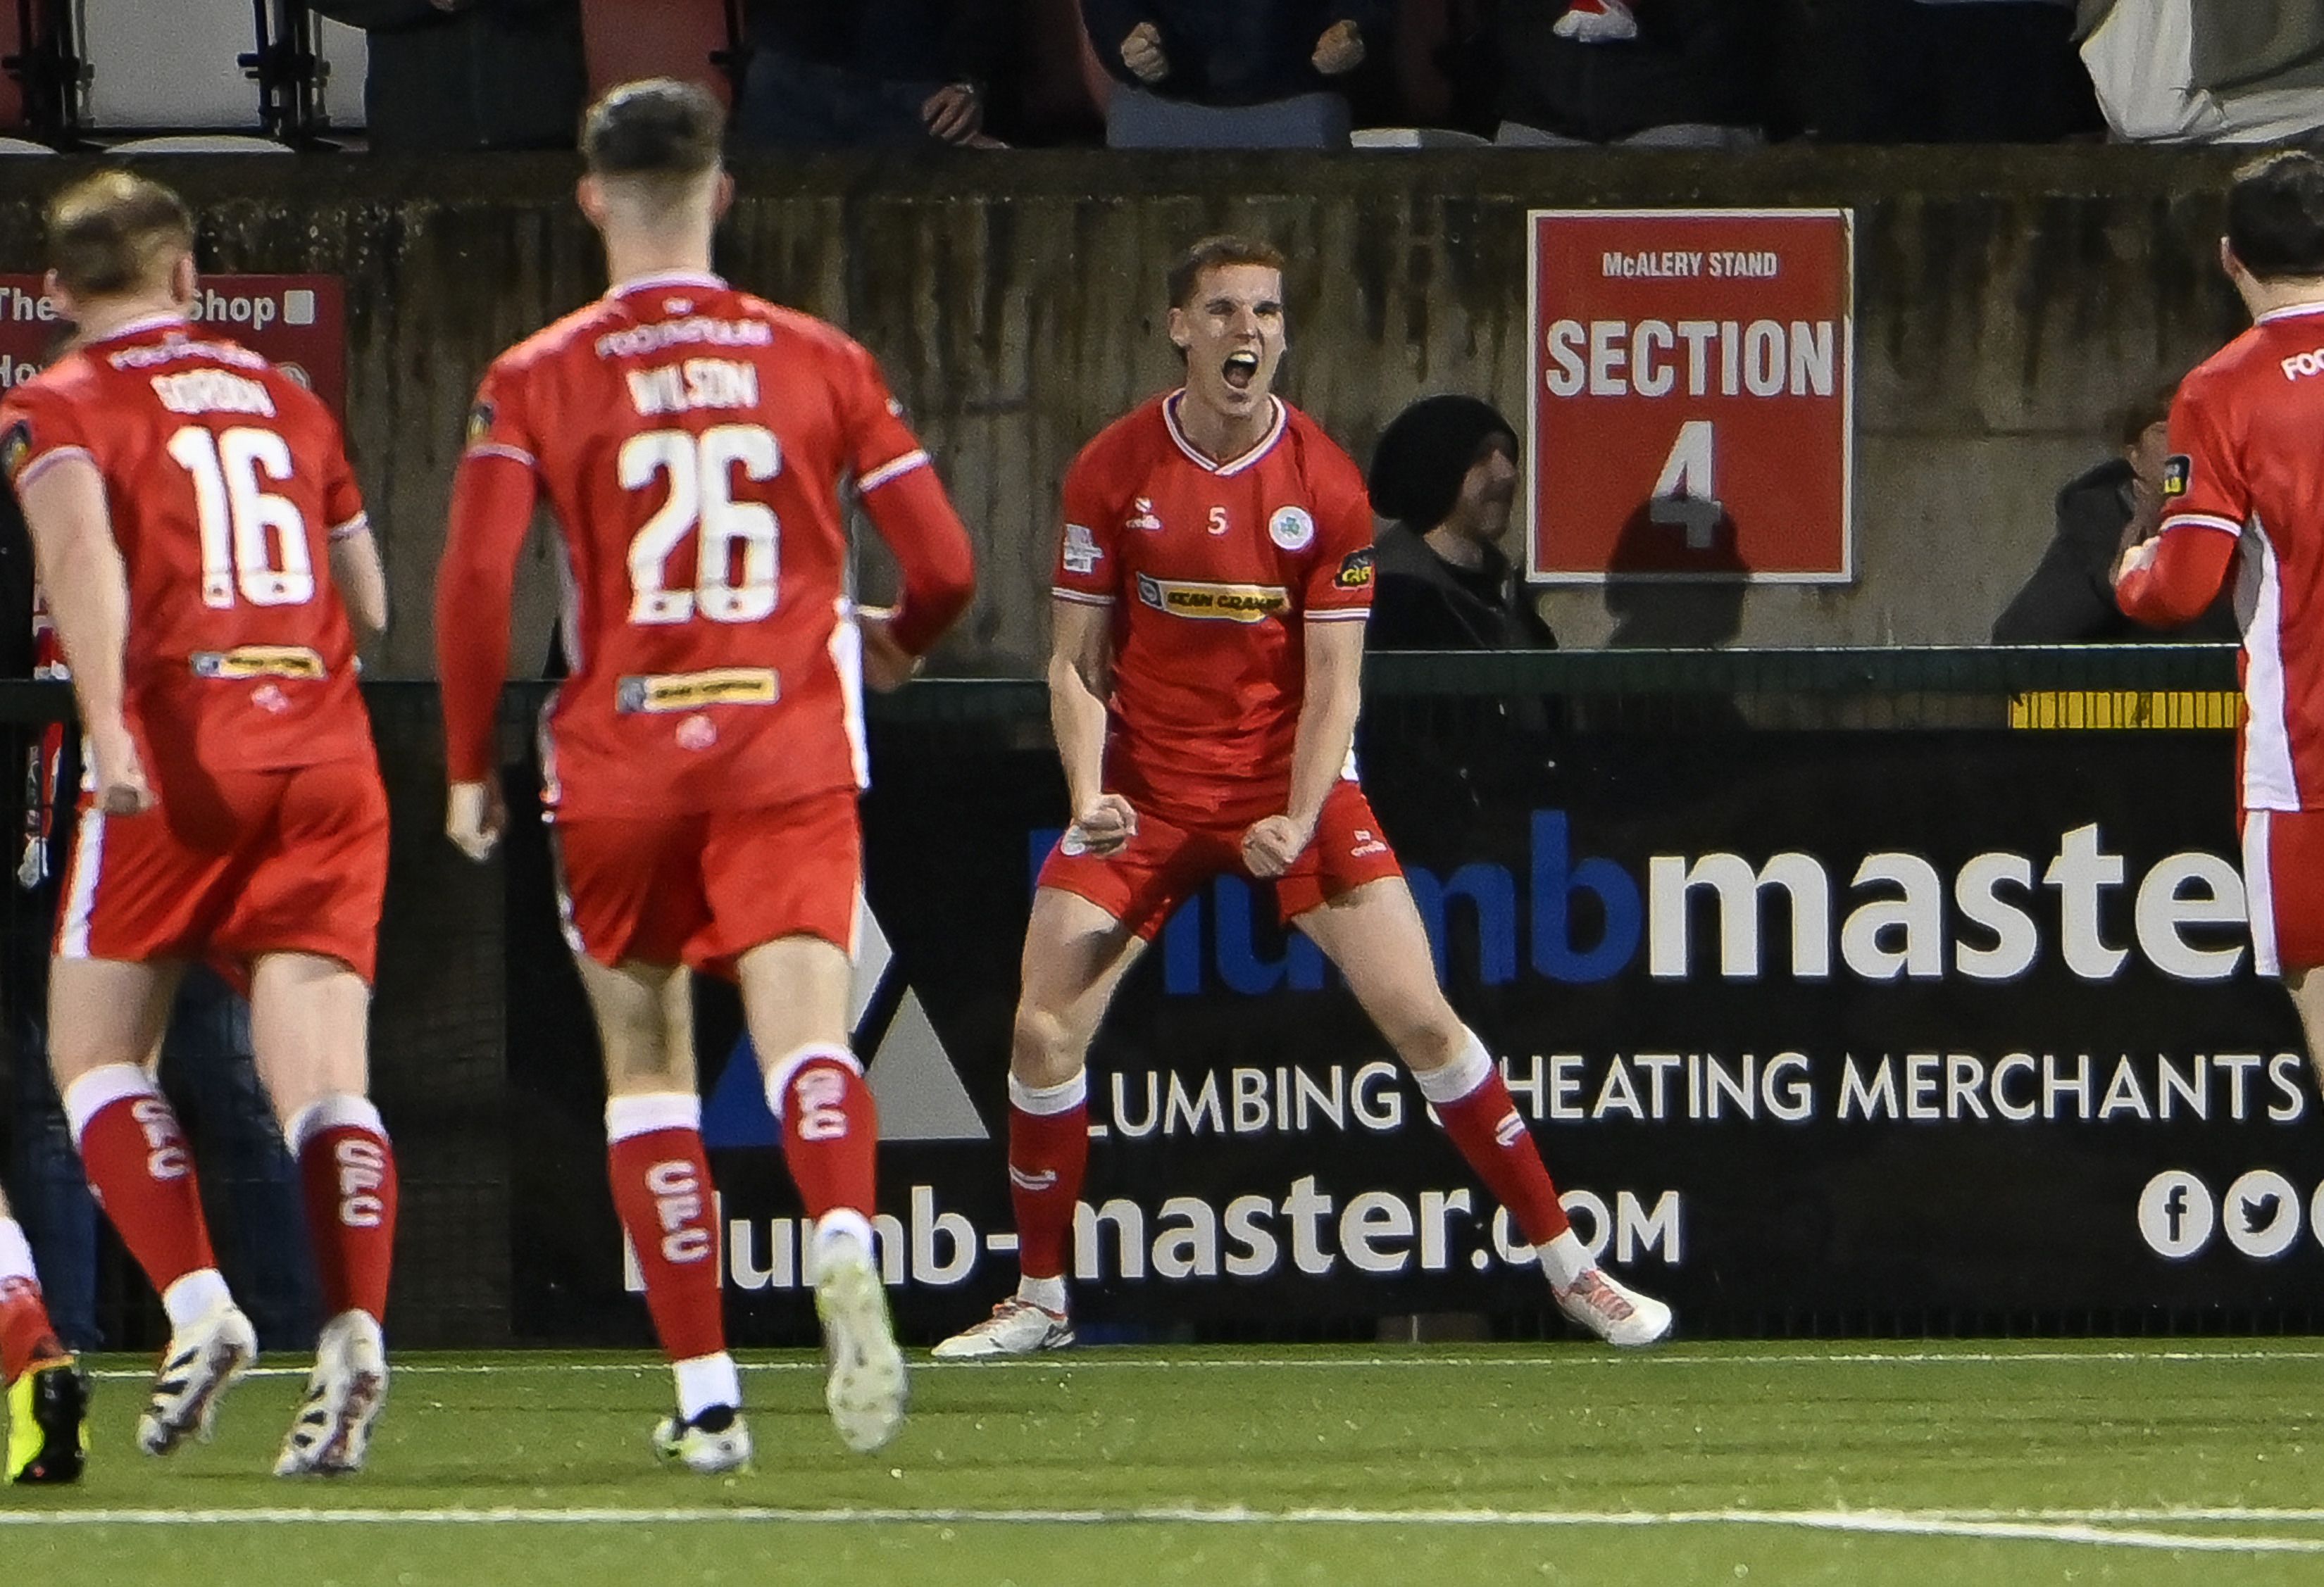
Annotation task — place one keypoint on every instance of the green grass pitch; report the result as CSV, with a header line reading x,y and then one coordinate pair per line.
x,y
2097,1462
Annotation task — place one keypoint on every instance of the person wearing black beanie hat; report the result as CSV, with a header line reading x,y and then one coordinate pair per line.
x,y
1445,470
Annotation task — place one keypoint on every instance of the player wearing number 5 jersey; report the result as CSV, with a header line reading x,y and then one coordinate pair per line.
x,y
1212,576
197,527
704,756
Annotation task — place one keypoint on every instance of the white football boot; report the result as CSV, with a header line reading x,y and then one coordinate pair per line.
x,y
1616,1314
202,1364
866,1390
1016,1328
711,1442
331,1434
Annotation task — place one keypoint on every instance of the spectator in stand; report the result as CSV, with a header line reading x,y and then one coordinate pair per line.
x,y
1972,72
2205,72
1233,73
450,76
1649,73
1446,472
870,74
2071,599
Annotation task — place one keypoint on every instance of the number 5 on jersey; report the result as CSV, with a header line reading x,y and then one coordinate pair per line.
x,y
737,561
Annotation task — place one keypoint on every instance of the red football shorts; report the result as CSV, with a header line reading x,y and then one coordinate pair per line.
x,y
2283,889
231,865
1163,865
704,888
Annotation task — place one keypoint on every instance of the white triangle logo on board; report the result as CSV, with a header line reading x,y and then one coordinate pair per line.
x,y
911,1075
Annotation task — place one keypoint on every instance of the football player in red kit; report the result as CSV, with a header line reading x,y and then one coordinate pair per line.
x,y
48,1393
703,759
2246,475
203,546
1213,579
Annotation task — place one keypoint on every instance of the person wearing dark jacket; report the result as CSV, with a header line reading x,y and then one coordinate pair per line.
x,y
1689,73
900,74
2070,598
1440,771
1235,52
1445,470
450,76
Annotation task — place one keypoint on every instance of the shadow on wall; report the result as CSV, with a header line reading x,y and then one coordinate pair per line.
x,y
1676,579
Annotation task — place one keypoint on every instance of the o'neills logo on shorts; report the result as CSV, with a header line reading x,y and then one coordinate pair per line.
x,y
260,662
1216,602
690,691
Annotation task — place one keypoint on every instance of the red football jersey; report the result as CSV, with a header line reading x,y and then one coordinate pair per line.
x,y
690,438
2246,462
225,481
1211,570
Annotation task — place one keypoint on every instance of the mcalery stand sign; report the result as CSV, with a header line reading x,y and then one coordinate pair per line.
x,y
296,321
1691,396
1817,1035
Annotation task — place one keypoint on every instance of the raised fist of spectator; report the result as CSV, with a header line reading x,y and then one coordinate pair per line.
x,y
1341,50
1142,53
953,113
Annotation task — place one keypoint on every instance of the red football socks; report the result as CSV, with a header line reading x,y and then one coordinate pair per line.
x,y
1483,1121
347,1170
831,1129
662,1192
141,1170
1049,1157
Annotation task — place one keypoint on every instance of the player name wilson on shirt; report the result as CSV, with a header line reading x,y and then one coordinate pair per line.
x,y
698,383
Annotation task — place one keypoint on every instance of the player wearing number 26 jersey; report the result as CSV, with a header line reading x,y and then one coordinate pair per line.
x,y
687,436
703,759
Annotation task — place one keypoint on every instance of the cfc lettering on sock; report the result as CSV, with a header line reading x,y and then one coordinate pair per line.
x,y
822,1093
363,1172
165,1147
677,1206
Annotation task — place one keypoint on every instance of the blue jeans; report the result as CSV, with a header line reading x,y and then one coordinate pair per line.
x,y
789,103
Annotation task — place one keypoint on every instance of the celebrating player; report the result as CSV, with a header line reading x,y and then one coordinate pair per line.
x,y
1213,580
48,1395
181,495
705,757
2245,474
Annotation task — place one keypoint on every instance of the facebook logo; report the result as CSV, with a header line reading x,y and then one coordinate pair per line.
x,y
2176,1214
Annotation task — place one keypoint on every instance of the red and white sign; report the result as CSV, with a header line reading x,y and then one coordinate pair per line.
x,y
298,321
1692,395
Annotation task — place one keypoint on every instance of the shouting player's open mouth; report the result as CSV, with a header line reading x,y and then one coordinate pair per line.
x,y
1240,370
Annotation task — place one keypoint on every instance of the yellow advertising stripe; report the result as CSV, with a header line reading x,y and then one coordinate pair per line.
x,y
2112,710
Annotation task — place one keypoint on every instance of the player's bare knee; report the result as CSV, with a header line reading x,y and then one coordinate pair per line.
x,y
1045,1047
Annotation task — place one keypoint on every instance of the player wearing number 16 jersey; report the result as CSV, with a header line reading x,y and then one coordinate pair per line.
x,y
704,758
197,526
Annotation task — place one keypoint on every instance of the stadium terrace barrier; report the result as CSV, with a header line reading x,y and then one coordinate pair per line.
x,y
2006,301
1858,992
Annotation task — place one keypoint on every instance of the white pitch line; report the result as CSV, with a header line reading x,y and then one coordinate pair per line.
x,y
1561,1358
1975,1525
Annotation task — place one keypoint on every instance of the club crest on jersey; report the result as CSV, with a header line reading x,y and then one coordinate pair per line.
x,y
15,446
1082,554
1291,527
2178,474
1144,518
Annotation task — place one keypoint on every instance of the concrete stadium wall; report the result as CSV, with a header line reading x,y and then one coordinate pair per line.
x,y
2008,300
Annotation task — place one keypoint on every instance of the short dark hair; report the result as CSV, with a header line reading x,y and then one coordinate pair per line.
x,y
657,128
2276,214
112,233
1217,252
2134,417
